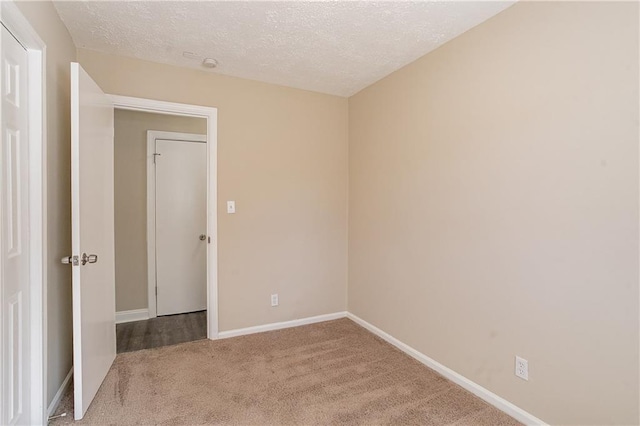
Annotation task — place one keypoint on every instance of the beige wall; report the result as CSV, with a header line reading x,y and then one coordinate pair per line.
x,y
494,207
130,159
282,156
60,52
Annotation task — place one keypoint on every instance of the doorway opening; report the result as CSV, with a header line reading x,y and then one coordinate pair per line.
x,y
161,238
93,220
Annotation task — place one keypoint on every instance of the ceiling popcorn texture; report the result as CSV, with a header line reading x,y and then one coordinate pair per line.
x,y
337,47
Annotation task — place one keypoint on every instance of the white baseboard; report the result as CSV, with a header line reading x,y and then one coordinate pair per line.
x,y
280,325
134,315
488,396
58,396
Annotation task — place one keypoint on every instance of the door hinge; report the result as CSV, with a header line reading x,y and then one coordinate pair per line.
x,y
156,291
155,154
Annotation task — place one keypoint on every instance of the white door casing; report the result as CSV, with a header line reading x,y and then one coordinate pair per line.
x,y
181,225
92,217
15,247
211,115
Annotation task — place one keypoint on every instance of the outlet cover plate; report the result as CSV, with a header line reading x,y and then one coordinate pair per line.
x,y
522,368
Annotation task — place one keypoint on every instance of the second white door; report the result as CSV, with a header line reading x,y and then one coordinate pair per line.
x,y
181,224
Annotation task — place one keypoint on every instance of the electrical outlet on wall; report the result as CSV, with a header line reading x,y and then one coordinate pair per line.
x,y
522,368
274,299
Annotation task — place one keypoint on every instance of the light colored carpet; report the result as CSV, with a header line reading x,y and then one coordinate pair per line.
x,y
331,373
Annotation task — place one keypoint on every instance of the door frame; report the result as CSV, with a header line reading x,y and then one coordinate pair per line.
x,y
152,136
211,115
18,25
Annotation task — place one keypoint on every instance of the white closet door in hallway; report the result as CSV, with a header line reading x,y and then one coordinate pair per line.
x,y
14,213
181,226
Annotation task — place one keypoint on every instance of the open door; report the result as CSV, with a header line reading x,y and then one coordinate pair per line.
x,y
92,217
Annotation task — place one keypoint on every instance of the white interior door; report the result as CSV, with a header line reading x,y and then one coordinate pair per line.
x,y
14,217
181,226
92,218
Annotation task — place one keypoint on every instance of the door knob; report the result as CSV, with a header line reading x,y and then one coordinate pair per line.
x,y
89,258
203,237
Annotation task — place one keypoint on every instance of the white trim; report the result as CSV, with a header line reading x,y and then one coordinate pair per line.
x,y
132,315
211,114
60,394
176,136
152,136
161,107
281,325
483,393
20,27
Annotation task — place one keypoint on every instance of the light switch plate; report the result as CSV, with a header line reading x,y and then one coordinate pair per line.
x,y
231,206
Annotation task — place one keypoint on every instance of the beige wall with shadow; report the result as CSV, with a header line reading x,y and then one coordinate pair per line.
x,y
494,207
59,54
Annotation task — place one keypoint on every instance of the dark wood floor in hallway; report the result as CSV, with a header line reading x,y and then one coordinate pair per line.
x,y
161,331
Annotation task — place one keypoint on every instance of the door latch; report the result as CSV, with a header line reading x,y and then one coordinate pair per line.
x,y
70,260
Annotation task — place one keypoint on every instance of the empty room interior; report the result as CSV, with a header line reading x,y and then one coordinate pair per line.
x,y
313,213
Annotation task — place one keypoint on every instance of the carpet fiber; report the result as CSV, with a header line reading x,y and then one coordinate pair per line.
x,y
329,373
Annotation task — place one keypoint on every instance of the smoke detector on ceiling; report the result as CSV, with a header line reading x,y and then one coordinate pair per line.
x,y
209,63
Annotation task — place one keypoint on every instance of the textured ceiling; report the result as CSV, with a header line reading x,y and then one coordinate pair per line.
x,y
337,47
